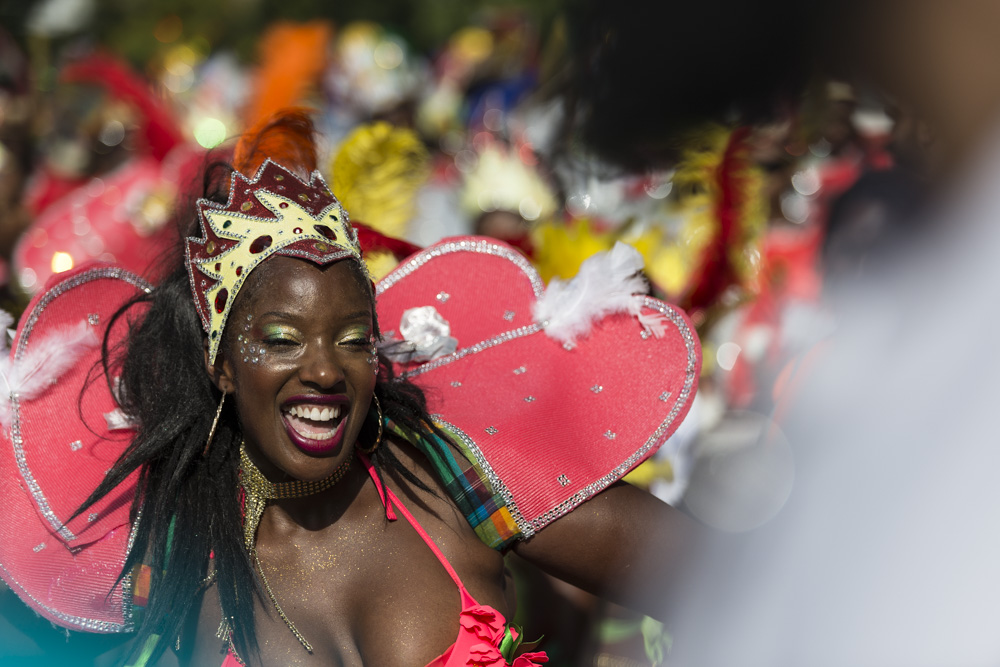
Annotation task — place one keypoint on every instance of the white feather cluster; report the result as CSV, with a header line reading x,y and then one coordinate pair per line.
x,y
42,365
608,282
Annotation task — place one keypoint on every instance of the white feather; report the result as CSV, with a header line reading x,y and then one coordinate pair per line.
x,y
605,284
42,365
654,323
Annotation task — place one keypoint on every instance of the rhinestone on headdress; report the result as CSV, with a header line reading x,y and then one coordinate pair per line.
x,y
261,219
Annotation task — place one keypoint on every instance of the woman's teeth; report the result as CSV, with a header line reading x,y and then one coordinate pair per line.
x,y
313,422
315,414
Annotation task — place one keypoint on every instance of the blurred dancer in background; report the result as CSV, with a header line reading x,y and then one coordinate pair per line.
x,y
876,540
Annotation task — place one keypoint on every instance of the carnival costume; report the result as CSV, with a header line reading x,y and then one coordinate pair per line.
x,y
548,396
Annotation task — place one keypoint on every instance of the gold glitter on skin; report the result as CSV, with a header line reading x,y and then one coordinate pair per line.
x,y
344,574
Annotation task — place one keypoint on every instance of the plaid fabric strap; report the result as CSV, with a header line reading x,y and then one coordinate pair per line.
x,y
467,484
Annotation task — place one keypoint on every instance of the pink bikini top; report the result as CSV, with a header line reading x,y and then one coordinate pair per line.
x,y
484,638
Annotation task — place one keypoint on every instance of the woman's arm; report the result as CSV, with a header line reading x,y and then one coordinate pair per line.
x,y
623,544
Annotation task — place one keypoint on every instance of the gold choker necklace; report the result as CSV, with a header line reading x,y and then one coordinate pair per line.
x,y
257,490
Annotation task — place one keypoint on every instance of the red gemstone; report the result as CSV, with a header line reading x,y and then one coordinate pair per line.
x,y
220,300
297,230
283,204
327,232
239,270
218,266
260,244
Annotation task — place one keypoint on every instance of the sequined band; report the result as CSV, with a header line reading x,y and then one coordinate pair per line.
x,y
128,588
618,472
81,623
529,528
26,329
481,246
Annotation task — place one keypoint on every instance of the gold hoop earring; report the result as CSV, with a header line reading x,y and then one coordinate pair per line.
x,y
215,422
378,440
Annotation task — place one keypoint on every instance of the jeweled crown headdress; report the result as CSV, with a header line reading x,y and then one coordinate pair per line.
x,y
275,212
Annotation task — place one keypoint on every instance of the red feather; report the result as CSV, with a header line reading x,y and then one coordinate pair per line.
x,y
159,127
717,271
373,241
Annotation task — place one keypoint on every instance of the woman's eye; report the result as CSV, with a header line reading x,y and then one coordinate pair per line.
x,y
275,335
280,340
357,342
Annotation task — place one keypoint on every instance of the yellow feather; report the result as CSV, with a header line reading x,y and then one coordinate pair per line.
x,y
561,248
377,173
380,263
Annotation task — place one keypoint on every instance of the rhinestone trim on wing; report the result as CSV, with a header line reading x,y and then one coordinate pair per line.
x,y
480,246
498,486
619,471
88,624
29,325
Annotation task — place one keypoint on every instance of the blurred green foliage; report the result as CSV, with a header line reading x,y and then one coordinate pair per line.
x,y
126,26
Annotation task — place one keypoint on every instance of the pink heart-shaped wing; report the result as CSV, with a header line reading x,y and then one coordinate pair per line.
x,y
550,424
51,460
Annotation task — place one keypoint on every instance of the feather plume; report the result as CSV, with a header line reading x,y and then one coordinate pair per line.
x,y
292,58
286,137
607,283
43,363
377,174
157,123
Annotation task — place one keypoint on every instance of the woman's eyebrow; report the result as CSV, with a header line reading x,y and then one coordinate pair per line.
x,y
280,314
359,315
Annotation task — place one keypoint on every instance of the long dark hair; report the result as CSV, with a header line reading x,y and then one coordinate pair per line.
x,y
186,505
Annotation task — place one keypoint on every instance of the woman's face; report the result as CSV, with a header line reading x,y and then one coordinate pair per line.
x,y
298,355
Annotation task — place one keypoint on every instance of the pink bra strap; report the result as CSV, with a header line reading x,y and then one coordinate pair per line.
x,y
388,499
389,514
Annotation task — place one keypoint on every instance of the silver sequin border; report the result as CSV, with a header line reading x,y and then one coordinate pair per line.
x,y
529,528
483,246
690,376
87,624
498,486
17,440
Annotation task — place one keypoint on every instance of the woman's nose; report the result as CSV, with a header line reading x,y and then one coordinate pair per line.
x,y
320,367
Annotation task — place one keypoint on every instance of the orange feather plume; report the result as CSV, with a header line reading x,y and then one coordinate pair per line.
x,y
292,57
286,137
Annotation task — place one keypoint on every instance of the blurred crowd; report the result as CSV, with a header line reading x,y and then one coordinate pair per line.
x,y
768,228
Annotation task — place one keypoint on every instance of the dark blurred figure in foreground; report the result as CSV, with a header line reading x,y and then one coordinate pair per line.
x,y
644,74
868,537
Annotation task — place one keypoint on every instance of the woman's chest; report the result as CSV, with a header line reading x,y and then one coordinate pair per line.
x,y
372,595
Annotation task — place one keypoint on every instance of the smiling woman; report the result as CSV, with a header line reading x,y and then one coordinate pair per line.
x,y
285,356
306,391
279,436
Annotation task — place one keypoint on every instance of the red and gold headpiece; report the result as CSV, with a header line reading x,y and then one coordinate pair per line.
x,y
275,212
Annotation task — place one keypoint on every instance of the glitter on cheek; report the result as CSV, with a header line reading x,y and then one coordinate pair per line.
x,y
373,354
253,353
